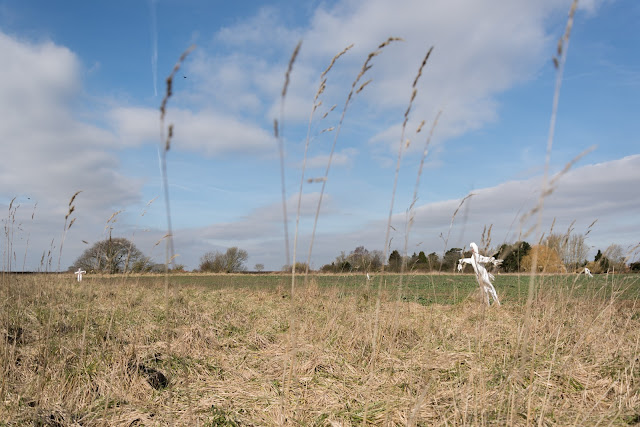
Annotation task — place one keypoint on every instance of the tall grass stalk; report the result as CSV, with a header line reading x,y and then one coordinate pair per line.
x,y
278,129
355,89
166,142
559,62
401,147
67,224
316,104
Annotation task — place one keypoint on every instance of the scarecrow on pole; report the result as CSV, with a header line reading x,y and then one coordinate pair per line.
x,y
483,277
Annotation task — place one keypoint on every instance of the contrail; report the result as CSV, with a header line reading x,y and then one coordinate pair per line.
x,y
154,45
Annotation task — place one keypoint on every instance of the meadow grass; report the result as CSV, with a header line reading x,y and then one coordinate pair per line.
x,y
453,361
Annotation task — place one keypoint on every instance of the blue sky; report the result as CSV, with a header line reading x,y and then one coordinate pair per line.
x,y
82,83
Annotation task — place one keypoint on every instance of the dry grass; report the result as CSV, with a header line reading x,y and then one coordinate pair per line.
x,y
438,364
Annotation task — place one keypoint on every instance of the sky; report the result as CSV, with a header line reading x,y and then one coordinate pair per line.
x,y
82,82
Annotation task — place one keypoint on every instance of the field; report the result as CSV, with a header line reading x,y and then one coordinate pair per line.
x,y
231,350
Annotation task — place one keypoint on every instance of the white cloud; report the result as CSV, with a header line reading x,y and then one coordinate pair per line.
x,y
37,76
480,50
250,84
266,221
47,152
341,158
235,81
473,59
205,132
265,29
604,191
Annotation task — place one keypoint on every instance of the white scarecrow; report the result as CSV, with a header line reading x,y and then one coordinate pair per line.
x,y
482,275
79,273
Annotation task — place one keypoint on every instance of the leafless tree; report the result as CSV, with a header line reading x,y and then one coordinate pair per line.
x,y
113,255
232,261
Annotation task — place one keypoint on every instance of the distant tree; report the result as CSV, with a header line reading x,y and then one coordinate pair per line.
x,y
451,258
178,268
144,265
512,255
377,260
344,267
559,243
634,266
395,261
571,248
433,261
259,267
615,254
329,268
412,262
420,262
212,262
598,256
600,263
232,261
576,252
301,267
113,255
157,268
612,259
160,268
341,262
361,259
548,260
340,265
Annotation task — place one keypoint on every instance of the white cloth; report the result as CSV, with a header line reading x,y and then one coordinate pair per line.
x,y
79,273
482,275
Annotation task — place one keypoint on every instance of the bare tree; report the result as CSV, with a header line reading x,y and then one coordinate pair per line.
x,y
576,253
301,267
558,242
113,255
361,259
259,267
571,248
232,261
615,254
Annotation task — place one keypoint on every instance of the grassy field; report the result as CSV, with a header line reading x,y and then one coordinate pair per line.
x,y
241,350
423,288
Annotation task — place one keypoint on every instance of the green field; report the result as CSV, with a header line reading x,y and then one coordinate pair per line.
x,y
421,288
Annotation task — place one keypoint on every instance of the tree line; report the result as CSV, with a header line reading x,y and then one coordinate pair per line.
x,y
557,253
119,255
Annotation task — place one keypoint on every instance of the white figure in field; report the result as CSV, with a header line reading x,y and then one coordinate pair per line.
x,y
79,273
482,275
368,278
587,272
